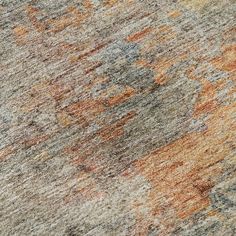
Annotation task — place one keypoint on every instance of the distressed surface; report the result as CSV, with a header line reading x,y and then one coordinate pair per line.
x,y
117,117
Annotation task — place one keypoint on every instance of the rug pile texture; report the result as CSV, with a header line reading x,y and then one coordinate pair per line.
x,y
117,117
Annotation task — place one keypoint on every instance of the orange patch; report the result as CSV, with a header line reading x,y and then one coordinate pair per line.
x,y
207,99
88,4
139,35
61,23
59,91
122,97
227,61
110,3
88,53
74,18
20,31
87,108
175,14
206,107
35,141
64,119
143,63
117,129
184,171
6,151
32,14
161,79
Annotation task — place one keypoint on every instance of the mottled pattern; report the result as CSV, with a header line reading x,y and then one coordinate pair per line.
x,y
117,117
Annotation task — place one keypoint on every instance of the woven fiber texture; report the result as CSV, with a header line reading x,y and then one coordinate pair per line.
x,y
117,118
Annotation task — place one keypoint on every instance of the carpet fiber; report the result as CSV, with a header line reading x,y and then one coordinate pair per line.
x,y
117,117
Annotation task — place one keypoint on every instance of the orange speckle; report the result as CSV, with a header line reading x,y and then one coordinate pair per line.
x,y
32,10
213,213
110,3
71,9
73,59
174,14
4,152
20,31
161,79
88,4
64,119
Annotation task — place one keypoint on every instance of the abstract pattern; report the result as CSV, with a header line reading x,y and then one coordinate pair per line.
x,y
117,117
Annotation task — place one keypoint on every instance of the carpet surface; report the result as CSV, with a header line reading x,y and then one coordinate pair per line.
x,y
117,117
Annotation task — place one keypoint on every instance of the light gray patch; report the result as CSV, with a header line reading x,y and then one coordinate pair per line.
x,y
223,196
119,51
198,125
138,78
223,94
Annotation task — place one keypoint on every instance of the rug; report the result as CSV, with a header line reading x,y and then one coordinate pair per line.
x,y
117,117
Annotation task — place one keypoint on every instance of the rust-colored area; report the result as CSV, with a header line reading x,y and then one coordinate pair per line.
x,y
72,16
60,24
59,90
122,97
139,35
163,34
162,67
78,148
110,3
64,119
88,4
93,68
32,15
202,108
111,132
35,141
207,98
20,33
88,53
183,172
174,14
161,79
90,88
35,97
6,151
227,61
88,108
